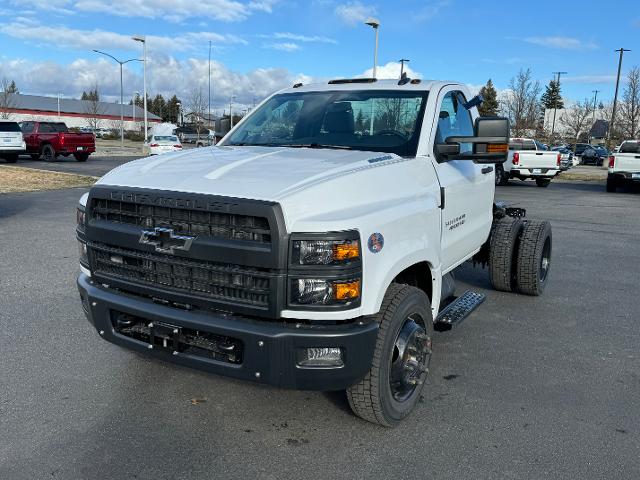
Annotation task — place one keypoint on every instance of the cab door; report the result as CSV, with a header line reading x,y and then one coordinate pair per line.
x,y
467,188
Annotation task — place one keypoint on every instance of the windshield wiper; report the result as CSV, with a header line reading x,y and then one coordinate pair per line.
x,y
315,145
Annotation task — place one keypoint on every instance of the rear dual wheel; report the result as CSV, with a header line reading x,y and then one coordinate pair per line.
x,y
520,255
393,385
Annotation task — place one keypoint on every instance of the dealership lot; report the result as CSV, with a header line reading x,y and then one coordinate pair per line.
x,y
524,388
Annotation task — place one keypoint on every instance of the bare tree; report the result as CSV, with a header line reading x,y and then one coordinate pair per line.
x,y
93,108
197,105
576,119
520,104
629,125
6,98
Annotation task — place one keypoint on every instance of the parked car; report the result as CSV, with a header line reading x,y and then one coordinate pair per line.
x,y
566,157
579,148
158,144
11,141
528,159
624,165
602,151
590,156
50,139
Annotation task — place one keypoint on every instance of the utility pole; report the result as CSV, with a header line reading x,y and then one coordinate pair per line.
x,y
209,110
595,99
555,105
615,96
402,62
233,97
375,24
142,39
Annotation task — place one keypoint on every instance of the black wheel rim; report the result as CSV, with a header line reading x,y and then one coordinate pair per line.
x,y
410,358
545,260
48,154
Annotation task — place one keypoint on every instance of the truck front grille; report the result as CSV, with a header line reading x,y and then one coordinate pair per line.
x,y
183,221
210,280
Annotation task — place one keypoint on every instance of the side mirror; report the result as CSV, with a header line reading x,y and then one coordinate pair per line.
x,y
490,142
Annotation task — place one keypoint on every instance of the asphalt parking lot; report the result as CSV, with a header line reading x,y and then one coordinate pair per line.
x,y
96,165
545,387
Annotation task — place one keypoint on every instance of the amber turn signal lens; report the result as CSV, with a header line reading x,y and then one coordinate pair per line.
x,y
346,251
347,291
497,147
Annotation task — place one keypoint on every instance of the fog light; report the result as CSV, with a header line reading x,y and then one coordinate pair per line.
x,y
320,357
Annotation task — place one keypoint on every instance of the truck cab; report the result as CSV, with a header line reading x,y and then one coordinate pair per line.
x,y
313,246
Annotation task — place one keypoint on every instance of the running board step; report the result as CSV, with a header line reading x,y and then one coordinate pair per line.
x,y
460,308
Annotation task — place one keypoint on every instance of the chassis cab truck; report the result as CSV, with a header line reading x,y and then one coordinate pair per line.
x,y
624,165
312,248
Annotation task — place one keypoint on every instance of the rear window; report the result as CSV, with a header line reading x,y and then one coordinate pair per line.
x,y
521,144
9,127
630,147
166,138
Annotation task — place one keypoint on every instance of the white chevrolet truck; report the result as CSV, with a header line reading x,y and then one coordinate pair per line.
x,y
313,248
624,165
529,159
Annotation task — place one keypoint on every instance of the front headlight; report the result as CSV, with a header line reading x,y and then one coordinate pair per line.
x,y
82,253
319,292
325,252
81,217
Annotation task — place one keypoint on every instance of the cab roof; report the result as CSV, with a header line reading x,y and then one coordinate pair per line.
x,y
372,84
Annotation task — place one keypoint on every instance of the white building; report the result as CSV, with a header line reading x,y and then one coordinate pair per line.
x,y
75,113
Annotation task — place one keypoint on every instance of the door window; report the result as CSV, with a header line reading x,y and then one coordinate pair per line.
x,y
454,120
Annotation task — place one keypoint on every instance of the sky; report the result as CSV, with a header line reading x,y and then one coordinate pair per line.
x,y
260,46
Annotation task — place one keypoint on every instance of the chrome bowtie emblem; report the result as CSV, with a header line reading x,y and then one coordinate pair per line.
x,y
164,240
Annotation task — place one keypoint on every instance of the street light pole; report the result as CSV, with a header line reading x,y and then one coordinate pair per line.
x,y
233,97
375,24
555,105
142,39
121,90
595,99
58,104
615,96
402,62
209,110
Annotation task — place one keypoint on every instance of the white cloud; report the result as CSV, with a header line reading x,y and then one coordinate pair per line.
x,y
430,10
390,70
283,46
301,38
567,43
172,10
166,75
66,37
354,12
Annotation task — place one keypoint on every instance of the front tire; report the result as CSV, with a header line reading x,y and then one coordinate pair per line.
x,y
393,385
534,257
543,182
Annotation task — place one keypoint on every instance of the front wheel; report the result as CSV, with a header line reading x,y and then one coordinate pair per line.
x,y
543,182
393,385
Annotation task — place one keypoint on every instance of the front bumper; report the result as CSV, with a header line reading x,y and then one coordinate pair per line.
x,y
269,349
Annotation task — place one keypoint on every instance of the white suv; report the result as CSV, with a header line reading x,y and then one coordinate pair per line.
x,y
11,141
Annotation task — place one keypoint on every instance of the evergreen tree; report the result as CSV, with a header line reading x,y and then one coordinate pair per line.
x,y
489,107
12,88
552,97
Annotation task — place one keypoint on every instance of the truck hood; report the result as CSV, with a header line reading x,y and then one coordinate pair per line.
x,y
261,173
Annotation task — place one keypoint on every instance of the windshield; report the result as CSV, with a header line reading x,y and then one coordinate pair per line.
x,y
521,144
381,121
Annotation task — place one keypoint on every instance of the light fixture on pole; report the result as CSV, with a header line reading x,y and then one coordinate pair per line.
x,y
143,40
375,24
402,62
121,90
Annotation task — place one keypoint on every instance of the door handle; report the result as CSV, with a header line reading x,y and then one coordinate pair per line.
x,y
486,170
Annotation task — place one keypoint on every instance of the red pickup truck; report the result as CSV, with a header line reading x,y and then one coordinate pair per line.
x,y
50,139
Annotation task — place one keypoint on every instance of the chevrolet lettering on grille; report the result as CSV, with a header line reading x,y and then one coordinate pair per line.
x,y
164,240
